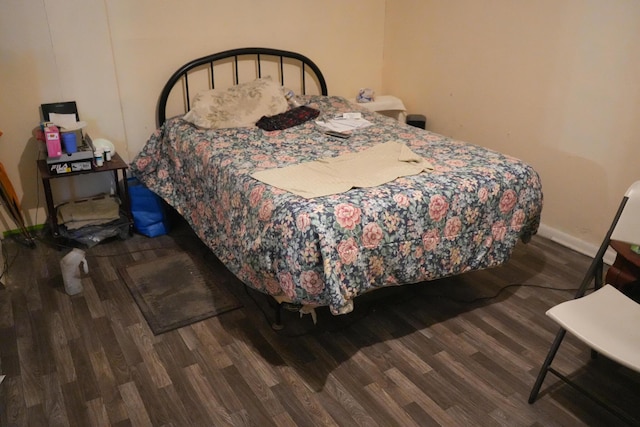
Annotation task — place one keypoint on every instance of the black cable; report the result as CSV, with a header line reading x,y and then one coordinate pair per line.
x,y
490,297
384,303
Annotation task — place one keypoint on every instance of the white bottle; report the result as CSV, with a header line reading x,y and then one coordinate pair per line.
x,y
291,98
99,158
70,266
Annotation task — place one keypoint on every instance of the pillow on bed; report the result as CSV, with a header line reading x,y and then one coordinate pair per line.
x,y
238,106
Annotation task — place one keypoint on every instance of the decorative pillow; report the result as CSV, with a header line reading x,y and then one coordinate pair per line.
x,y
238,106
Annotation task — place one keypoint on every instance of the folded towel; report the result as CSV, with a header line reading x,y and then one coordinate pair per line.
x,y
369,168
78,214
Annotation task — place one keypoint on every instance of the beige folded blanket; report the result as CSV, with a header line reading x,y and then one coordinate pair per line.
x,y
369,168
79,214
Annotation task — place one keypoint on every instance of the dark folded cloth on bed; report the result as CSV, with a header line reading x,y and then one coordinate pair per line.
x,y
290,118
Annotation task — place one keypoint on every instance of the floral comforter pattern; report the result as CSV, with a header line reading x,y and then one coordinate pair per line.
x,y
467,214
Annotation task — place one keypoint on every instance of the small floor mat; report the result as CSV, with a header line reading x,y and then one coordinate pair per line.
x,y
173,291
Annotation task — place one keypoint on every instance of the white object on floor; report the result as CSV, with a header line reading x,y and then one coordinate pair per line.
x,y
70,266
388,105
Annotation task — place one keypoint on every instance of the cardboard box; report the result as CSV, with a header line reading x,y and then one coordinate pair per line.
x,y
74,162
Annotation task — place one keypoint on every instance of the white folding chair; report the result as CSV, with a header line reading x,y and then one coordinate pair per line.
x,y
606,320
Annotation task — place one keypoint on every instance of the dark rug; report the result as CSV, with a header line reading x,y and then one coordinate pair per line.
x,y
173,291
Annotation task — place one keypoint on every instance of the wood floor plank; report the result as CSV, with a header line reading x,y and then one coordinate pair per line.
x,y
114,349
75,404
143,338
96,309
243,392
9,357
296,410
150,397
6,313
97,413
418,397
218,382
136,410
194,398
85,375
293,386
340,410
54,406
382,398
65,309
13,405
170,398
436,353
62,355
30,374
108,385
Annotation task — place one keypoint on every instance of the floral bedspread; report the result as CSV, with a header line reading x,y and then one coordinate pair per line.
x,y
467,214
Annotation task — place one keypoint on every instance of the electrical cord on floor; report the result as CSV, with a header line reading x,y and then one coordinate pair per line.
x,y
490,297
386,303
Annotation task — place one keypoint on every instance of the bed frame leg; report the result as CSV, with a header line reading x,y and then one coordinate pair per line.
x,y
277,311
277,325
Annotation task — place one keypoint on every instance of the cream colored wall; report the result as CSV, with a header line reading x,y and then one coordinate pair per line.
x,y
47,54
113,56
554,82
152,39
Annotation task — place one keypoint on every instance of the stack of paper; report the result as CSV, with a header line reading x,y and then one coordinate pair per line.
x,y
341,124
66,121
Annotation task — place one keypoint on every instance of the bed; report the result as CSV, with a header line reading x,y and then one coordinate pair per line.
x,y
466,213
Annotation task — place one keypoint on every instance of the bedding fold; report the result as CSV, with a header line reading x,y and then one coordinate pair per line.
x,y
374,166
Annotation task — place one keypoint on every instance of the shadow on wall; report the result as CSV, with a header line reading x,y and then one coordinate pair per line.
x,y
32,196
581,204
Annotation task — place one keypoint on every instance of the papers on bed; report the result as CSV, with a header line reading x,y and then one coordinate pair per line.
x,y
345,123
369,168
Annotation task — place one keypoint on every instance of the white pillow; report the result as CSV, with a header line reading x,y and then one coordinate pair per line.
x,y
238,106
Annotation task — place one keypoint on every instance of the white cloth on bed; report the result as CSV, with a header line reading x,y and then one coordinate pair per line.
x,y
344,125
369,168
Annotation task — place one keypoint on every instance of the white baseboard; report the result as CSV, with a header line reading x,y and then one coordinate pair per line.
x,y
574,243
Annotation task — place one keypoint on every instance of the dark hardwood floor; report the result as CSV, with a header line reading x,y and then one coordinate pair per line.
x,y
439,353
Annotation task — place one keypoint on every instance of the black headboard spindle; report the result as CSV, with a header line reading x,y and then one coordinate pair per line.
x,y
183,72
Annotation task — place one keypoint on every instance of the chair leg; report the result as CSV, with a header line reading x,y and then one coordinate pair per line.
x,y
547,363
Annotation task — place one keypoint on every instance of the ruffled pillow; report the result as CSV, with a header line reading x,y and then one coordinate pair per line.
x,y
238,106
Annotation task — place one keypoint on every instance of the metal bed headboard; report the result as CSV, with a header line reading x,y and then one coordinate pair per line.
x,y
182,74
